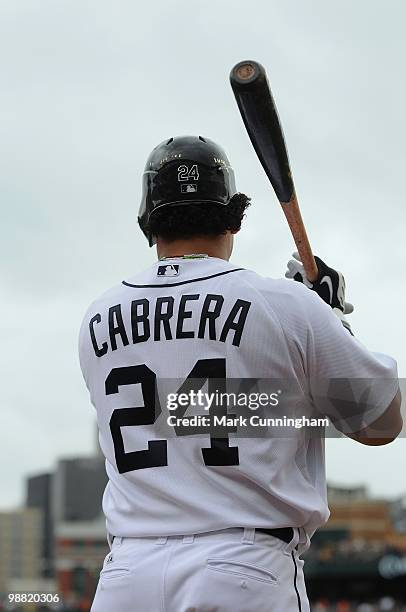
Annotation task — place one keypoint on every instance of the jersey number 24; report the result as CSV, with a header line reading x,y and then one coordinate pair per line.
x,y
211,370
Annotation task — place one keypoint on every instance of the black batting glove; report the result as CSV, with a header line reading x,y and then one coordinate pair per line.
x,y
329,286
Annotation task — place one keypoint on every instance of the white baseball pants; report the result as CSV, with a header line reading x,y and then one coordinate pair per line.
x,y
233,570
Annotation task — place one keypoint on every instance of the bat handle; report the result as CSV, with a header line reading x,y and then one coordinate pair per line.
x,y
295,221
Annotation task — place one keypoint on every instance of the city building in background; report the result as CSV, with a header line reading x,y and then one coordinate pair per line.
x,y
80,547
398,512
72,494
79,527
21,539
346,495
38,495
360,553
58,542
77,489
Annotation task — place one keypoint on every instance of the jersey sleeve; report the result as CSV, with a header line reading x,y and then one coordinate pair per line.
x,y
348,383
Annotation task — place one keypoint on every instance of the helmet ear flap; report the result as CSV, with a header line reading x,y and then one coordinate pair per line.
x,y
151,240
185,170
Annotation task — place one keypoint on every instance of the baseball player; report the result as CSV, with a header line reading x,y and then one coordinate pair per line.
x,y
200,521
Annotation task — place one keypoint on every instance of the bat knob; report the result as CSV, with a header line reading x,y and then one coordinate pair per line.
x,y
245,72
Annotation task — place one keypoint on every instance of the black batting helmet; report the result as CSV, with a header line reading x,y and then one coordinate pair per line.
x,y
185,170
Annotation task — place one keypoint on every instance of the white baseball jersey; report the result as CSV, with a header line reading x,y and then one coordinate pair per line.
x,y
200,319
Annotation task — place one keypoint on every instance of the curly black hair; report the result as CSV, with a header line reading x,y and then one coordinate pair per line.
x,y
206,219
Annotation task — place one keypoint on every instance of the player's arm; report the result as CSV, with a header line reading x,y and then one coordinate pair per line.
x,y
356,388
385,429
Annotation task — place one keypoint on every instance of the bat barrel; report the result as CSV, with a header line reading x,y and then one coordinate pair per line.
x,y
258,110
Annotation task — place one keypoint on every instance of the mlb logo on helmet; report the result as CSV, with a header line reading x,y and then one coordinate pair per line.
x,y
168,270
188,188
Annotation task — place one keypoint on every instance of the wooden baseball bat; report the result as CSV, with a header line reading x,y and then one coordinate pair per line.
x,y
257,107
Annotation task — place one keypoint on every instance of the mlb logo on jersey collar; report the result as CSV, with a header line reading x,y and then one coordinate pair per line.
x,y
168,270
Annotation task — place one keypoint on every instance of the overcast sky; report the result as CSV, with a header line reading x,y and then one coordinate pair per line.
x,y
87,89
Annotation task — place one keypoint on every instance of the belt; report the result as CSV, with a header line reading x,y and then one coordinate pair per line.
x,y
284,533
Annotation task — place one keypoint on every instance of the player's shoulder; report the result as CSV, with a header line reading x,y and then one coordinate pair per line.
x,y
106,296
114,294
295,306
279,289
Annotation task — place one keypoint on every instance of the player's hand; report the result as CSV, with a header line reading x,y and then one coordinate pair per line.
x,y
330,285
